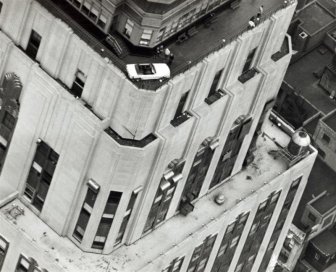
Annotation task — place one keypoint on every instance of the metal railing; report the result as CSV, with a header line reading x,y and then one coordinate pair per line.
x,y
104,52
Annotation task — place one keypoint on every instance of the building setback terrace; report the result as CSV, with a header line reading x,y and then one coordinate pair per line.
x,y
136,256
226,24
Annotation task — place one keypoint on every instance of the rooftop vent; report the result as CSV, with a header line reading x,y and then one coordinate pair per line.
x,y
220,199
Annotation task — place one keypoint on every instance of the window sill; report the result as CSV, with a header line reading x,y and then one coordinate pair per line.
x,y
247,75
180,119
214,97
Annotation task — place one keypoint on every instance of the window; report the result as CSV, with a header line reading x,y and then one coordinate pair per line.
x,y
0,6
248,62
201,255
78,84
160,34
312,217
40,175
279,225
9,121
327,221
4,244
231,149
164,195
199,170
128,28
180,115
321,153
23,264
239,267
126,218
106,220
33,44
258,230
102,20
325,139
175,265
85,213
248,71
234,241
146,37
214,93
229,244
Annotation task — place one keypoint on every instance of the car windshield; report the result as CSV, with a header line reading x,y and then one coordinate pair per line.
x,y
145,69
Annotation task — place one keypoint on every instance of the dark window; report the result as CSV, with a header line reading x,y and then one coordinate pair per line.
x,y
325,139
201,255
33,44
3,250
164,195
229,244
214,93
78,84
198,171
321,153
175,265
85,214
126,218
258,230
312,217
0,6
279,225
181,115
40,175
106,220
9,120
230,151
248,71
250,57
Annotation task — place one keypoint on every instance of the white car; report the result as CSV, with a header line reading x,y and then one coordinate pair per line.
x,y
148,71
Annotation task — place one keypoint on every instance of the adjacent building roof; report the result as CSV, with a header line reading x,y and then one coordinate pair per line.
x,y
330,120
325,242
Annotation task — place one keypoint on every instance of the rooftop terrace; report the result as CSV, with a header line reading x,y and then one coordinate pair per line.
x,y
132,258
228,24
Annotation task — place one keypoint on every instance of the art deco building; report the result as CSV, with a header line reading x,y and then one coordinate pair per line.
x,y
103,173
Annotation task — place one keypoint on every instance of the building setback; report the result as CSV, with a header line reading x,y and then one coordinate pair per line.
x,y
103,173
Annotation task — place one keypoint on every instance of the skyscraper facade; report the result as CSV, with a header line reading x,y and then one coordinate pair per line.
x,y
102,172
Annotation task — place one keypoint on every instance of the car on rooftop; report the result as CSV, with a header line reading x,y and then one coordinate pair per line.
x,y
148,71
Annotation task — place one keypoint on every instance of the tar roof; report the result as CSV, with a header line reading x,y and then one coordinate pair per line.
x,y
325,242
325,203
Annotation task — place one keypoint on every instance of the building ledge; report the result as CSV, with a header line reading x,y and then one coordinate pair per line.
x,y
244,184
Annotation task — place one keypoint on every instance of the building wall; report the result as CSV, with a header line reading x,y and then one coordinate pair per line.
x,y
86,152
327,149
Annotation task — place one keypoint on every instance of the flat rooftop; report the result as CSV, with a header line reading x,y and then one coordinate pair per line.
x,y
228,24
300,75
134,257
330,120
315,17
325,203
326,242
322,178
